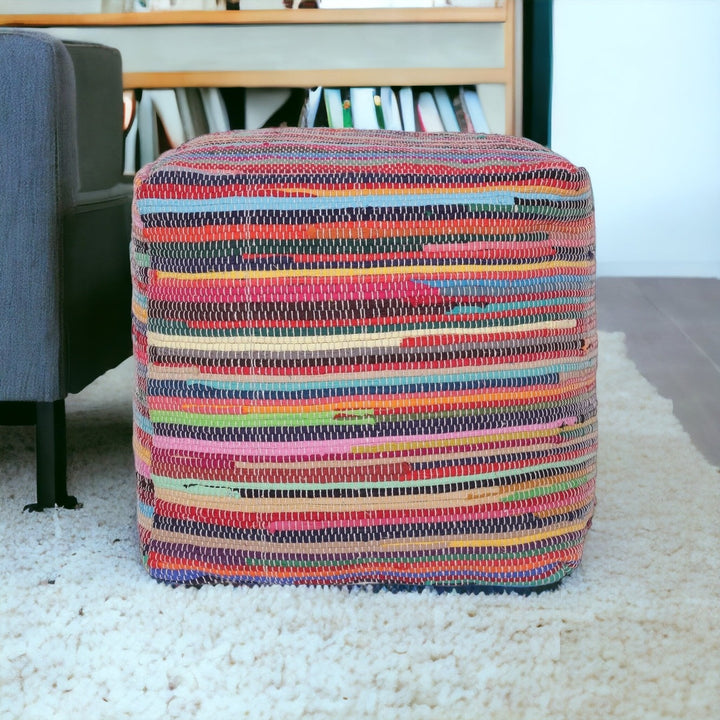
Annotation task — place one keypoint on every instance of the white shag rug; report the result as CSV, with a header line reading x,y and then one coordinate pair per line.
x,y
634,633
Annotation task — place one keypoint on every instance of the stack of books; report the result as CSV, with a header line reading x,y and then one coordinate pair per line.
x,y
165,118
337,4
411,109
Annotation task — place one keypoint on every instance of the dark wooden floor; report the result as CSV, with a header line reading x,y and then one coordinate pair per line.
x,y
673,336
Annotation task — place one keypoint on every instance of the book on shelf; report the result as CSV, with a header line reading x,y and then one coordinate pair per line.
x,y
428,115
374,4
165,106
460,110
192,112
471,3
391,109
470,101
262,5
289,105
406,98
263,105
311,111
333,107
364,113
215,110
147,130
445,108
35,7
142,5
378,4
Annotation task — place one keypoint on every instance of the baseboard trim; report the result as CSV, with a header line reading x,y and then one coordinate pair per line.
x,y
658,269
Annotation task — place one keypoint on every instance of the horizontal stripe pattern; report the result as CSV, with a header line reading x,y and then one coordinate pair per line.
x,y
364,358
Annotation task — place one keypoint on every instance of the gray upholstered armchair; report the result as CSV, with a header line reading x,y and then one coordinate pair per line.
x,y
64,235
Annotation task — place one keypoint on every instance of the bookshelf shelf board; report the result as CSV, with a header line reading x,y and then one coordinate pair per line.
x,y
311,78
260,17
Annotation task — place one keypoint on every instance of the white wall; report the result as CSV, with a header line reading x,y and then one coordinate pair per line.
x,y
636,100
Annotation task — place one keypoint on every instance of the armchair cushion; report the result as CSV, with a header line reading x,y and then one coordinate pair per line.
x,y
98,82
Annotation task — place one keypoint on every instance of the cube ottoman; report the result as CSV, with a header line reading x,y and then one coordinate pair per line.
x,y
364,358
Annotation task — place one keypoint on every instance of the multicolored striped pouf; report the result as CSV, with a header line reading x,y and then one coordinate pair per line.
x,y
364,358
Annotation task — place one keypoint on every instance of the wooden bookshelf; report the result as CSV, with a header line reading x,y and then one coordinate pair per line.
x,y
306,48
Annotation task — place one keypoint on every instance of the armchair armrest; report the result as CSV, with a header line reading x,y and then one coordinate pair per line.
x,y
38,181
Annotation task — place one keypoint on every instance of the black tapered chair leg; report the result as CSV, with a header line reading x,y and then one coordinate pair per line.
x,y
51,458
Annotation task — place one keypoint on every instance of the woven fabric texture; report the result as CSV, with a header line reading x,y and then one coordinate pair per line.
x,y
364,358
